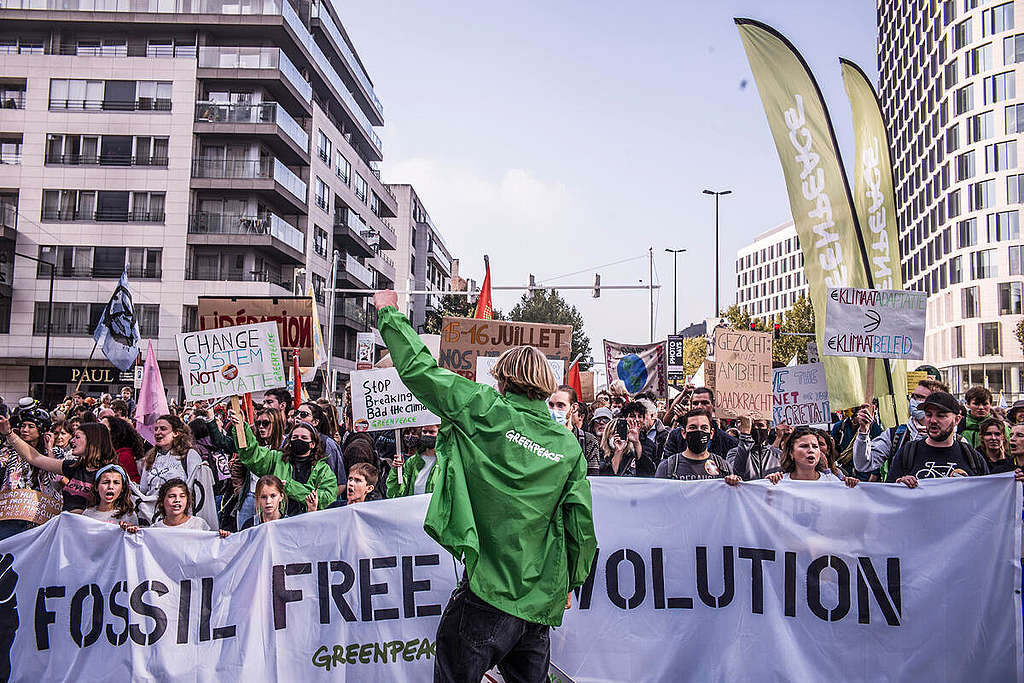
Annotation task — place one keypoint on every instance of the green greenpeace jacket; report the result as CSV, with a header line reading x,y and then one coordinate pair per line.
x,y
413,464
262,461
511,497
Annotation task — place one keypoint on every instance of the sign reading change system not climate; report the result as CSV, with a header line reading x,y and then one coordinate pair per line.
x,y
875,323
230,361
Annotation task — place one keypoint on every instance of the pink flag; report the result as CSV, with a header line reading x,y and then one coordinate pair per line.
x,y
152,399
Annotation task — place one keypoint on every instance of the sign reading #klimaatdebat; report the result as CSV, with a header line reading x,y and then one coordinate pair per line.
x,y
875,323
355,594
230,361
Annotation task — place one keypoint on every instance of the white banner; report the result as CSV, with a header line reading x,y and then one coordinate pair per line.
x,y
875,323
800,395
380,400
230,361
641,367
799,581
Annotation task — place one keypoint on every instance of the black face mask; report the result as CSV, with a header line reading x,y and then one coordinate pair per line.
x,y
760,435
697,441
427,442
300,448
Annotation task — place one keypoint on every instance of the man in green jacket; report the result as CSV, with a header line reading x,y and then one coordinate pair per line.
x,y
511,500
979,408
418,470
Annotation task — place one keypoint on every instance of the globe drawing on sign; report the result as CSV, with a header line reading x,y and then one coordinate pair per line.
x,y
633,372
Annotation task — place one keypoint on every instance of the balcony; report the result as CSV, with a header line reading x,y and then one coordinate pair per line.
x,y
355,273
269,66
140,104
267,174
353,313
109,216
13,100
103,160
351,234
265,232
269,120
8,220
442,259
385,266
323,18
135,272
256,276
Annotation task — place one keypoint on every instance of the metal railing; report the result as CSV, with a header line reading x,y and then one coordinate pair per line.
x,y
85,272
141,104
353,311
104,160
13,101
107,216
265,167
350,58
234,224
358,270
10,159
216,275
84,329
255,58
130,50
264,112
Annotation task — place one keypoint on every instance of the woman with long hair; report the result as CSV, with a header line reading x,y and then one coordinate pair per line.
x,y
802,459
111,499
29,423
173,457
618,453
993,444
269,428
128,445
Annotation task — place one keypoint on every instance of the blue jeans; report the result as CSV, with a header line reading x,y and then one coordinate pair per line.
x,y
473,637
247,510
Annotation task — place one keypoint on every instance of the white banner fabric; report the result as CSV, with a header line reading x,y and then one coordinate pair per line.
x,y
798,581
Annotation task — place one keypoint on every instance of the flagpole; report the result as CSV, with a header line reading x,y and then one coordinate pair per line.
x,y
82,376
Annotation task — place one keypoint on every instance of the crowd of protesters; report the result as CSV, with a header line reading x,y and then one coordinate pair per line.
x,y
85,456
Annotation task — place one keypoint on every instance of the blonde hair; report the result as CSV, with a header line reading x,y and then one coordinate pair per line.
x,y
525,370
618,388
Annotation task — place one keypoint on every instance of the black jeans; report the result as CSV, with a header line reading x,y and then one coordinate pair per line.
x,y
473,637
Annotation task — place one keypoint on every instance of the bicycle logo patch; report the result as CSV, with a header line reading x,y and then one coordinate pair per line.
x,y
932,470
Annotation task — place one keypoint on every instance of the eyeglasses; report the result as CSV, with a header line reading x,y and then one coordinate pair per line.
x,y
263,423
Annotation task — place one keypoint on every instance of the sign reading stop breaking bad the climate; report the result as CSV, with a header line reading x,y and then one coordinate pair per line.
x,y
380,400
230,361
875,323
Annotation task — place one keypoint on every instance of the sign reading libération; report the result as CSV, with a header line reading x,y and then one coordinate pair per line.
x,y
875,323
230,361
380,400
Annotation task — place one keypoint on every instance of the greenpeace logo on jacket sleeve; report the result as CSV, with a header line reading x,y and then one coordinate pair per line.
x,y
532,446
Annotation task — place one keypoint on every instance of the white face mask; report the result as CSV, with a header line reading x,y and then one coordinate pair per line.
x,y
559,416
915,411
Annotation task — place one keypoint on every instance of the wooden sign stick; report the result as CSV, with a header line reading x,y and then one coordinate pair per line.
x,y
239,430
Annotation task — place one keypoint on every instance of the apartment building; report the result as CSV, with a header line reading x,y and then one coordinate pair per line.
x,y
212,147
948,85
770,274
422,260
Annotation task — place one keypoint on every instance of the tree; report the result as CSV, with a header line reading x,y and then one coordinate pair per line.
x,y
739,319
454,306
695,351
1019,332
798,319
542,306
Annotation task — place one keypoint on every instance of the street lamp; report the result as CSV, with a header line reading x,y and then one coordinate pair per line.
x,y
675,288
717,195
49,319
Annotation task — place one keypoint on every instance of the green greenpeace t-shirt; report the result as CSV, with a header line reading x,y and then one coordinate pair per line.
x,y
511,497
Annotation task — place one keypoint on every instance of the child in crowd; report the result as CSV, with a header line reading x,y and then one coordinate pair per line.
x,y
270,498
174,508
362,478
110,500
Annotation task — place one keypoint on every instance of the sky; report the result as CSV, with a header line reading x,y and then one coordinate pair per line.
x,y
561,137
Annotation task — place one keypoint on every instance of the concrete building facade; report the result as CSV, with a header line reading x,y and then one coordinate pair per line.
x,y
770,274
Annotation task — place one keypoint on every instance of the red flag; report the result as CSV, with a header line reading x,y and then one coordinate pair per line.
x,y
574,381
250,413
483,304
298,379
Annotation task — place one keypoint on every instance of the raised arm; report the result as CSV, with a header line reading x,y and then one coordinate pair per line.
x,y
30,455
259,459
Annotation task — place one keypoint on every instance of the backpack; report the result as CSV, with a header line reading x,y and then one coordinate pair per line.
x,y
972,456
897,440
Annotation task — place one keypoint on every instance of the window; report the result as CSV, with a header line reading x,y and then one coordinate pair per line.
x,y
955,271
360,188
1015,118
953,203
1001,156
1013,49
153,95
319,288
323,148
146,206
950,75
79,319
958,341
1003,226
997,19
980,127
75,94
344,169
965,166
963,99
999,87
967,232
952,138
977,60
982,195
323,195
1010,295
988,339
983,264
320,241
962,34
1016,259
969,301
1015,189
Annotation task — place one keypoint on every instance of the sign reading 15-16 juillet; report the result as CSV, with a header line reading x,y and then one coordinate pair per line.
x,y
875,323
230,361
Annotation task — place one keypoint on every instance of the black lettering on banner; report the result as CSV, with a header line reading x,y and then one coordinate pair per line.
x,y
77,607
206,609
639,583
281,595
410,586
44,616
891,603
658,581
119,611
145,609
756,557
326,590
184,610
367,589
585,593
814,570
790,576
728,578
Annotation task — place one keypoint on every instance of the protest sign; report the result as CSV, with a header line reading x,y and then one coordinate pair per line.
x,y
432,342
484,364
587,384
380,400
812,352
641,367
800,395
29,505
364,350
913,377
356,593
293,315
743,373
464,339
875,323
230,361
674,355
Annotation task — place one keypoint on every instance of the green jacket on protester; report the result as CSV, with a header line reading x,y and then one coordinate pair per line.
x,y
970,428
262,461
511,497
410,471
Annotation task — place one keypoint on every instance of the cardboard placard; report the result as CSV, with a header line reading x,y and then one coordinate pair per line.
x,y
230,361
464,339
743,374
381,401
485,363
875,323
913,377
293,315
587,385
800,395
364,350
29,505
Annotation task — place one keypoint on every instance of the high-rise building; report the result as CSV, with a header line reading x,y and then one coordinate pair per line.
x,y
212,147
948,90
770,274
422,260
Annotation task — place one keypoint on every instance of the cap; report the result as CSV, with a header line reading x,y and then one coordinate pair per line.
x,y
1017,405
602,414
942,401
